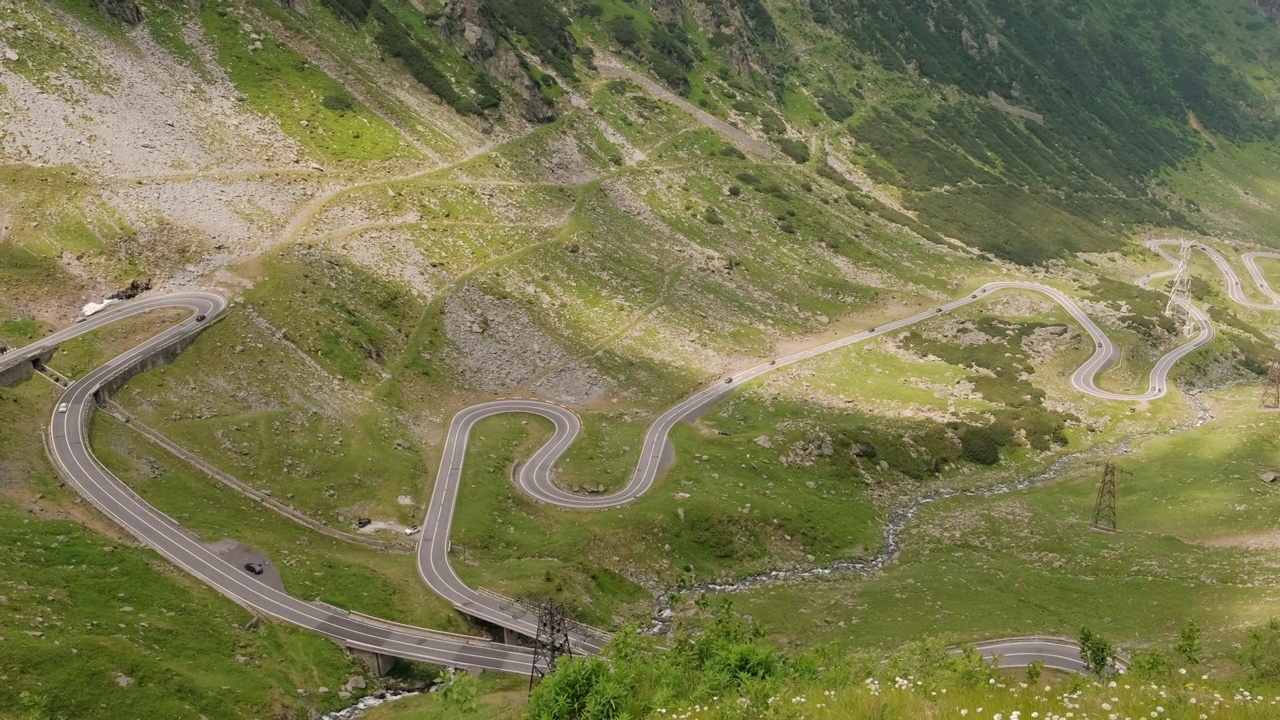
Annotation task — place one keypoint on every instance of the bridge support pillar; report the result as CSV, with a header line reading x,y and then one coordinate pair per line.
x,y
379,665
511,637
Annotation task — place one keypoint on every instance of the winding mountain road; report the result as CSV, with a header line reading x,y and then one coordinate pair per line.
x,y
69,449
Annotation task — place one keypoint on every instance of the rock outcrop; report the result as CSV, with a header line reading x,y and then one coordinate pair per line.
x,y
126,10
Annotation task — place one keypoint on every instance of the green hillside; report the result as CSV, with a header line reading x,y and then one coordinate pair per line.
x,y
418,205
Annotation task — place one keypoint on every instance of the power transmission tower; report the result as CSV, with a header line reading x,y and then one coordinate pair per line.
x,y
1179,305
552,642
1271,387
1104,508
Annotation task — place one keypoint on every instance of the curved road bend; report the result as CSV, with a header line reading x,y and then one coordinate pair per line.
x,y
68,447
70,452
536,476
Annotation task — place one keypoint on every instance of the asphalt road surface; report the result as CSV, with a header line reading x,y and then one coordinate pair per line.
x,y
69,450
68,447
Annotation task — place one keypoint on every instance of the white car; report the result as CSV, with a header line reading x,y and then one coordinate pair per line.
x,y
62,407
412,531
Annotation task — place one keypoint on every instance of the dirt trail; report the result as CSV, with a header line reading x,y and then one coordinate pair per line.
x,y
746,143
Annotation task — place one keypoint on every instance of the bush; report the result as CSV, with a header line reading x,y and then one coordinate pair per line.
x,y
1188,645
353,11
396,41
1261,652
1096,652
980,445
623,28
837,107
338,103
772,123
1150,666
794,149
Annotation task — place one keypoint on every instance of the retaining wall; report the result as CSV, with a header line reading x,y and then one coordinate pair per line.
x,y
18,365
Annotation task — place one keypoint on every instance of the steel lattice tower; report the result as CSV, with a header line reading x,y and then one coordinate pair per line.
x,y
1271,387
552,642
1104,508
1179,305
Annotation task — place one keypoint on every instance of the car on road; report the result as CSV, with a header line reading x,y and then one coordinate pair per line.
x,y
871,329
413,530
773,362
363,522
937,310
728,380
62,407
255,568
200,318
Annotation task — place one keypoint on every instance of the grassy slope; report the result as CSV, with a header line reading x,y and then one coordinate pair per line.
x,y
262,414
80,608
1027,563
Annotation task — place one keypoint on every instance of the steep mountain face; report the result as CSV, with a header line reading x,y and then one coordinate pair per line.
x,y
1075,107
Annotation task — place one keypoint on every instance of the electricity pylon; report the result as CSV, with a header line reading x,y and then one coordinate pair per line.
x,y
1179,305
1104,508
1271,387
552,642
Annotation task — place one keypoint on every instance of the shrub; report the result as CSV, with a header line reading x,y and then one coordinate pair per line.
x,y
353,11
340,102
1261,652
623,28
1188,645
1150,666
795,149
837,107
772,123
1096,652
980,445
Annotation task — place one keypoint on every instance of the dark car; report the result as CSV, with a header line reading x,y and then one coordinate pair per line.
x,y
255,568
937,310
200,318
728,380
871,329
363,522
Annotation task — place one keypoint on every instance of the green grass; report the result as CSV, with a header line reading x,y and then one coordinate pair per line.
x,y
55,210
1027,563
165,22
79,356
19,331
312,565
42,61
1234,190
278,80
80,607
